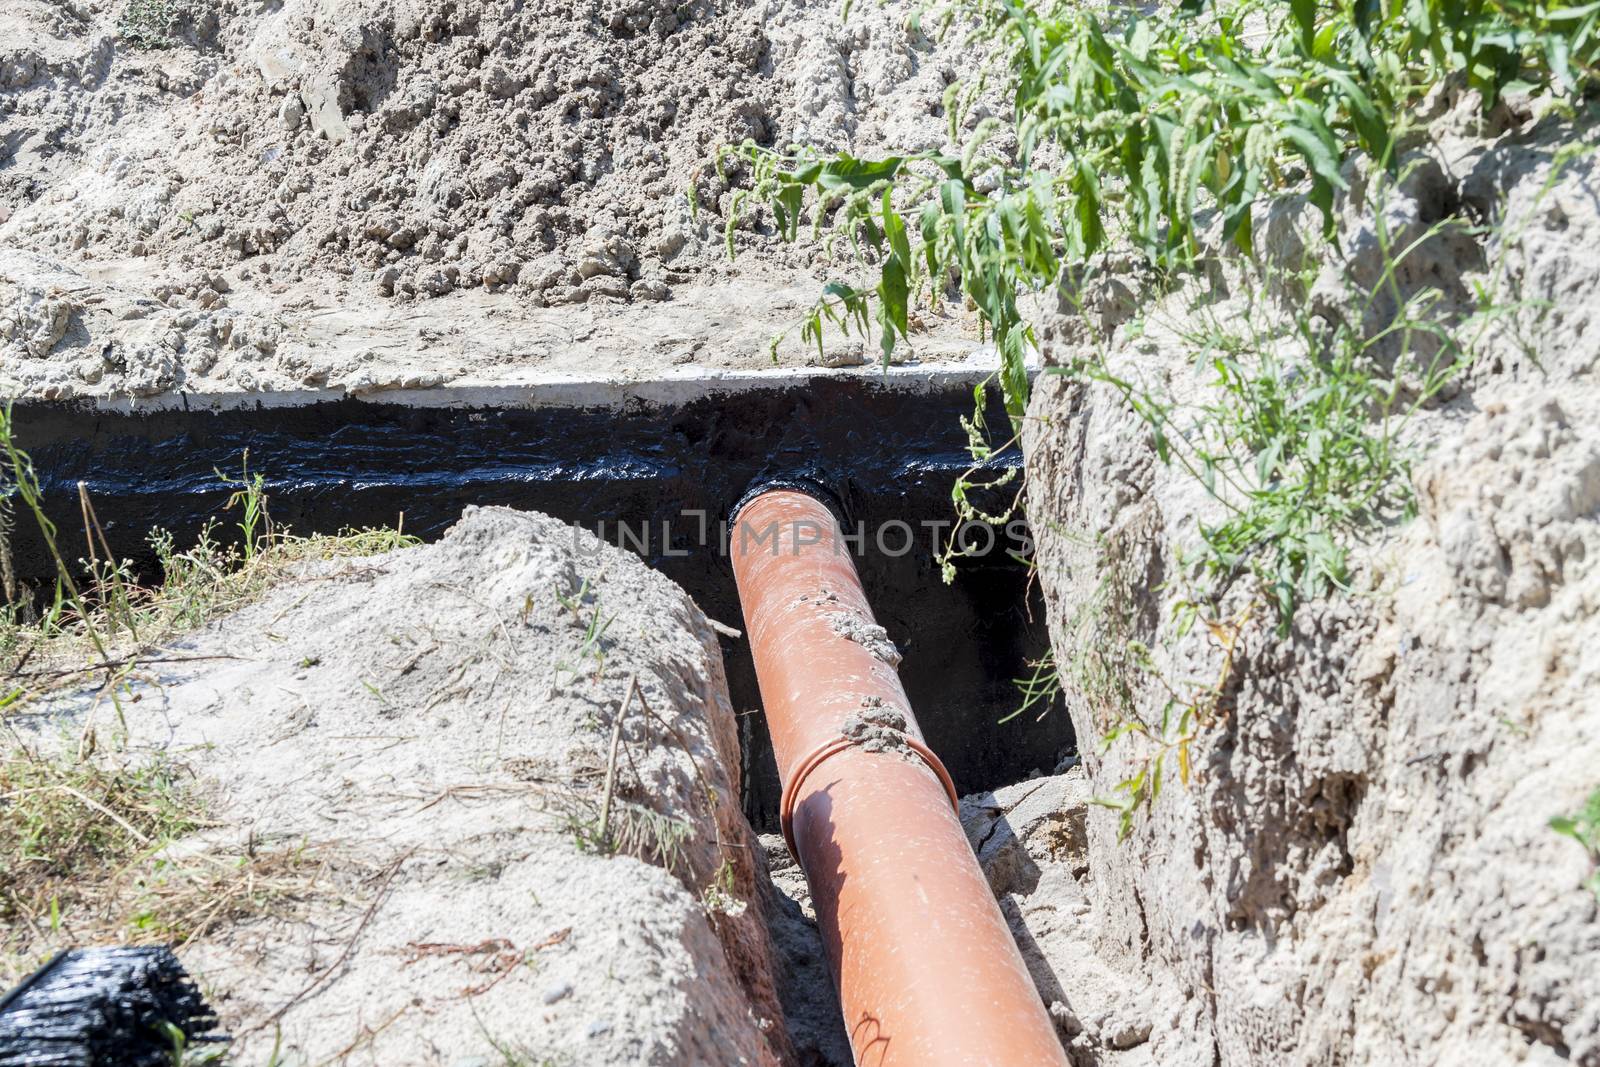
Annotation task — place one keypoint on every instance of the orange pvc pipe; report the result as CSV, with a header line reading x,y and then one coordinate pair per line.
x,y
927,970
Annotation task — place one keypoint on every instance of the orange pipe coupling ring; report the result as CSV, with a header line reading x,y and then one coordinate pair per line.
x,y
791,788
927,971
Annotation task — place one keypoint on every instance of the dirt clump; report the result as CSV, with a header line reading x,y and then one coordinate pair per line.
x,y
866,633
878,727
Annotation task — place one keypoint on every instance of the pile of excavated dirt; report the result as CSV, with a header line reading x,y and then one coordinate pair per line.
x,y
1362,868
428,734
262,202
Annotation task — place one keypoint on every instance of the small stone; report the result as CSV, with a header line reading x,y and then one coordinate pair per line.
x,y
435,281
671,243
292,113
322,110
568,294
593,266
557,992
606,285
612,255
846,354
650,289
502,82
1125,1033
1066,1020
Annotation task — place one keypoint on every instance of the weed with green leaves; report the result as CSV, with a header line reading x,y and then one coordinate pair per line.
x,y
19,480
583,604
251,499
1583,826
1132,124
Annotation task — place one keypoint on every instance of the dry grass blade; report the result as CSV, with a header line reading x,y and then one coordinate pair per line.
x,y
107,812
611,757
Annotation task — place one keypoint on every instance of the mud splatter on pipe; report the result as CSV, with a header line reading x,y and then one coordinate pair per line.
x,y
927,970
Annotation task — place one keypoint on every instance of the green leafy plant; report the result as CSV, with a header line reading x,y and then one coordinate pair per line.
x,y
82,833
1583,826
1296,435
1499,44
64,817
19,480
1149,129
990,473
1140,126
719,896
1188,710
583,604
1039,688
251,499
1168,131
632,829
185,1054
86,855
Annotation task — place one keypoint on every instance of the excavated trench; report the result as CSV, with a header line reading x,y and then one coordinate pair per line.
x,y
656,470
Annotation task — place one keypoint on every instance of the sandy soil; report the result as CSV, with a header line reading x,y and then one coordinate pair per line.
x,y
116,341
388,194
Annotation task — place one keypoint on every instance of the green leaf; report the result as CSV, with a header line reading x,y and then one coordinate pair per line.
x,y
1238,226
1087,209
953,198
1370,126
893,291
951,165
894,229
1559,59
1304,14
848,173
1317,146
1014,371
786,209
928,224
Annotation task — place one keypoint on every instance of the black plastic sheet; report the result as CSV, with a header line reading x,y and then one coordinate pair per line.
x,y
104,1007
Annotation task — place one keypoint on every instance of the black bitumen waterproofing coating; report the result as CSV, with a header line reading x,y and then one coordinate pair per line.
x,y
659,479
